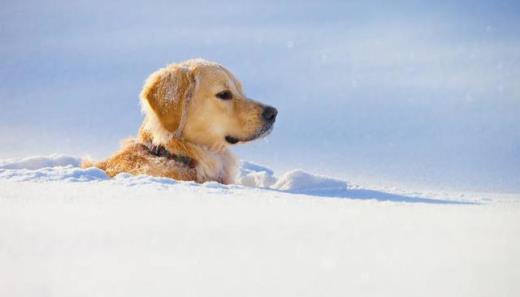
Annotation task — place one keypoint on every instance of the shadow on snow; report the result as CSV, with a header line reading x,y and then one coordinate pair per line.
x,y
365,194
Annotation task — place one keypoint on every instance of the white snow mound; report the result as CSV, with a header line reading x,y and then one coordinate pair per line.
x,y
57,168
301,181
254,175
38,162
51,168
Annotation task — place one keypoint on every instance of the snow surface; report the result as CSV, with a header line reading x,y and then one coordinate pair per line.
x,y
66,231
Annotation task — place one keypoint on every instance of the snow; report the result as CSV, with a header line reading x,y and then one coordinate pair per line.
x,y
300,181
254,175
53,168
66,168
39,162
67,231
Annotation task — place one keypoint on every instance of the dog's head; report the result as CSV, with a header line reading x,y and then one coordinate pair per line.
x,y
203,103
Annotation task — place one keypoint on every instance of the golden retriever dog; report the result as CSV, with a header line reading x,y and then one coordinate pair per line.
x,y
193,111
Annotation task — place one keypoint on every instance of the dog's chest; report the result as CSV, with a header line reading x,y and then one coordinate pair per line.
x,y
217,166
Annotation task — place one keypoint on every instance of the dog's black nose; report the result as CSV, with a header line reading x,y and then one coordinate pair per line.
x,y
269,114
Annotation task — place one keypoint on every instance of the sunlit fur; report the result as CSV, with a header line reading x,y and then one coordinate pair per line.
x,y
183,114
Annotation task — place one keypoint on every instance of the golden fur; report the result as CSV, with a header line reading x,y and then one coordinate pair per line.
x,y
184,115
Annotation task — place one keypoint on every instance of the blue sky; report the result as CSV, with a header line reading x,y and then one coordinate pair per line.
x,y
401,92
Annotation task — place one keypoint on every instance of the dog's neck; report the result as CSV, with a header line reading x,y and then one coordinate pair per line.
x,y
162,152
154,132
217,164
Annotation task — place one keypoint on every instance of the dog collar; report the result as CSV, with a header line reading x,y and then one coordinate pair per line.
x,y
161,151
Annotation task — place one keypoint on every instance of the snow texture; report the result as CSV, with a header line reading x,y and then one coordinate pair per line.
x,y
66,231
66,168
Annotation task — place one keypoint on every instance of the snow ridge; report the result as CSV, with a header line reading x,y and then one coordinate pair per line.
x,y
61,168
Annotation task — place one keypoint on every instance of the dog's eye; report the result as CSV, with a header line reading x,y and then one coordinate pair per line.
x,y
225,95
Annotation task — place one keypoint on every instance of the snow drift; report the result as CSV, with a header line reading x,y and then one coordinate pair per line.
x,y
66,168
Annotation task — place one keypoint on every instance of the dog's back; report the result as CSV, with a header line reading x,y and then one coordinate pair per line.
x,y
136,159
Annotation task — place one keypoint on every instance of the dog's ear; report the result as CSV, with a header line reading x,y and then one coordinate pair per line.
x,y
166,93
